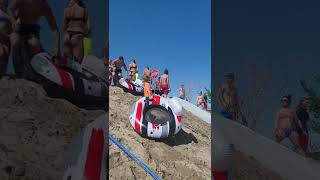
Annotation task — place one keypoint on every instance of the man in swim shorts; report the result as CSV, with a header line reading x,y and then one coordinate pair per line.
x,y
25,15
303,116
287,125
200,100
182,92
164,83
228,98
118,64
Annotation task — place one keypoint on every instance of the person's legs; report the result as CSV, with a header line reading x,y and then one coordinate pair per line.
x,y
294,138
4,57
67,45
279,135
78,48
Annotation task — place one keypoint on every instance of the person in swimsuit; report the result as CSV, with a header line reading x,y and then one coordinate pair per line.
x,y
200,100
205,98
228,98
157,85
164,83
5,31
147,87
287,125
76,25
182,92
25,15
118,64
133,69
303,115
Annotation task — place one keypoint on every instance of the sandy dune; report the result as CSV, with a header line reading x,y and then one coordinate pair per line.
x,y
187,156
35,131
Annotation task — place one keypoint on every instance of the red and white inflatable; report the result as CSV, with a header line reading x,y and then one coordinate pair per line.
x,y
158,117
133,87
86,157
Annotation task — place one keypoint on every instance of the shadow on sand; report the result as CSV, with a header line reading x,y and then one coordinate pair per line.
x,y
180,139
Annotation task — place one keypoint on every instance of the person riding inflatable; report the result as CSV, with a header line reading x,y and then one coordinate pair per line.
x,y
156,117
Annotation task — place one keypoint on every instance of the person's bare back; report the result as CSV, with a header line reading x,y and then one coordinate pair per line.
x,y
229,97
164,79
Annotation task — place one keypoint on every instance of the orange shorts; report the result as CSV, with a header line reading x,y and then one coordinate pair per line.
x,y
147,89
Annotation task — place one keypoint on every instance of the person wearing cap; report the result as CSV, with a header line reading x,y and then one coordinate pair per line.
x,y
228,100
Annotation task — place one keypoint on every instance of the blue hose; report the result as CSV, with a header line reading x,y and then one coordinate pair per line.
x,y
134,158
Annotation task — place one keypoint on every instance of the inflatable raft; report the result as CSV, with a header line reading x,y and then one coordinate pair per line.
x,y
157,117
86,157
132,87
85,89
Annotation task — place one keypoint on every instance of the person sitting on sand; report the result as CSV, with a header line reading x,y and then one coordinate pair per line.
x,y
200,100
303,116
24,17
228,98
76,25
133,69
287,124
5,31
118,64
182,92
164,83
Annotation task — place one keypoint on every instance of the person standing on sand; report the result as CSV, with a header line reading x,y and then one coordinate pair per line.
x,y
164,83
118,64
24,17
303,116
228,100
200,100
205,97
287,125
146,72
133,69
76,25
147,86
182,92
5,31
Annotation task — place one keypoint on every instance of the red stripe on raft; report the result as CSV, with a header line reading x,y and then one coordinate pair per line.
x,y
94,159
179,119
220,175
156,100
130,86
137,125
65,78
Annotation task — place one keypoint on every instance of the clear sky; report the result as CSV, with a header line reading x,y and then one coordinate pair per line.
x,y
269,44
171,34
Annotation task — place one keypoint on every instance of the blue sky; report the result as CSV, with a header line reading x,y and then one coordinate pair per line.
x,y
279,39
171,34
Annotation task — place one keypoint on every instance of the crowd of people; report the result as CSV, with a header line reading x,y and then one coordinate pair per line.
x,y
160,85
19,25
291,123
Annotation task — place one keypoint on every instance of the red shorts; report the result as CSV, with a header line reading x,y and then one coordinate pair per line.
x,y
303,140
165,88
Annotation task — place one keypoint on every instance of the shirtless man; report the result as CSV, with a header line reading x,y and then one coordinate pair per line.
x,y
76,25
287,125
164,83
228,98
5,31
118,64
200,100
25,15
182,92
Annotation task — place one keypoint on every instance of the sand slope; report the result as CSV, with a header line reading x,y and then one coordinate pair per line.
x,y
187,156
35,131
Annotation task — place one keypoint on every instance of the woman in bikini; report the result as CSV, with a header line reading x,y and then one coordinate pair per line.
x,y
287,125
5,31
133,69
76,25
